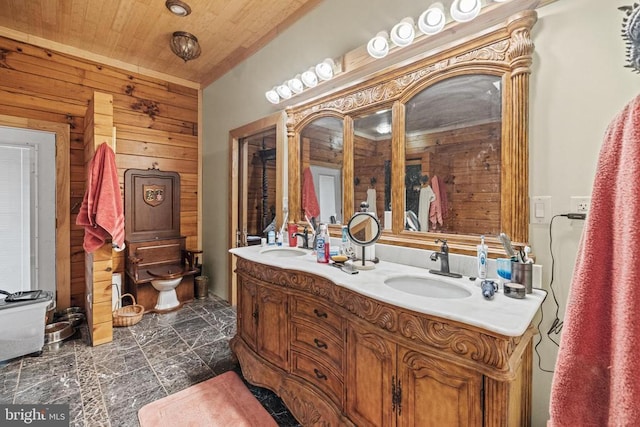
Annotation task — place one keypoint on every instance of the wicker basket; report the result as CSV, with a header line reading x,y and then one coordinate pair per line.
x,y
128,315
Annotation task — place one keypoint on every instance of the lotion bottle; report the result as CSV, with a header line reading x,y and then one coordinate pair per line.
x,y
322,245
482,259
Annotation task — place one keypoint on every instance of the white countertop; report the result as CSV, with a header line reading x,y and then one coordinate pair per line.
x,y
502,315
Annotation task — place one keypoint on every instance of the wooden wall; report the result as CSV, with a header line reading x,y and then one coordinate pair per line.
x,y
467,160
156,122
368,163
321,147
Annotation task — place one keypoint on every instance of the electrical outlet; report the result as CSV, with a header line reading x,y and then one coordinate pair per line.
x,y
580,204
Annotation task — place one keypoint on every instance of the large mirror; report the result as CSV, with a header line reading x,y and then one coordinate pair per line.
x,y
455,119
321,157
452,156
372,163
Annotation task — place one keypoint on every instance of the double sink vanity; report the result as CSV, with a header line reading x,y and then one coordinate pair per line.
x,y
393,345
396,345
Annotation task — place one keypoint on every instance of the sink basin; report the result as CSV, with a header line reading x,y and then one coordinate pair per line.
x,y
427,287
283,252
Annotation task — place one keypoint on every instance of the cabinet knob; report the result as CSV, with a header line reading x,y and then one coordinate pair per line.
x,y
319,374
320,313
320,344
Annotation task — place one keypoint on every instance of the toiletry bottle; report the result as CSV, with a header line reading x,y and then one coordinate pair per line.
x,y
279,238
322,244
271,238
344,243
482,259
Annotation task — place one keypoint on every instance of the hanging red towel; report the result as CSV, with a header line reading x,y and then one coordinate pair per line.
x,y
596,380
309,200
101,212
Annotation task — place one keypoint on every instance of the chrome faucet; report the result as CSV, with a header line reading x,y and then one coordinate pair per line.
x,y
444,260
305,238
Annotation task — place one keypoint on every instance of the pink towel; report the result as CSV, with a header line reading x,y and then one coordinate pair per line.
x,y
310,204
597,375
101,212
435,209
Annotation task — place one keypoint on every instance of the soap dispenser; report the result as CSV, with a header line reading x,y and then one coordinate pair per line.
x,y
482,259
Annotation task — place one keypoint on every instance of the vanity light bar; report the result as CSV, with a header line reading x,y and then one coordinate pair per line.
x,y
430,22
323,71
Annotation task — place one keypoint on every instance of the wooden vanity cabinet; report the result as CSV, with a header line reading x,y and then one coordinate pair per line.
x,y
391,385
262,321
337,357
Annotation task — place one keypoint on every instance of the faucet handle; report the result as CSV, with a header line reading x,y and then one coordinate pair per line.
x,y
444,247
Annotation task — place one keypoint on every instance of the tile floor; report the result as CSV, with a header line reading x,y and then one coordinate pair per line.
x,y
161,355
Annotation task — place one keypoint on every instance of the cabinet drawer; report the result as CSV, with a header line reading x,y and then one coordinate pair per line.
x,y
318,313
320,342
317,374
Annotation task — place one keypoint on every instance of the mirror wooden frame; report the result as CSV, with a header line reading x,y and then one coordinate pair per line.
x,y
276,121
503,50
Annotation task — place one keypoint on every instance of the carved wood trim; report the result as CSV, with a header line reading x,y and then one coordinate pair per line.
x,y
308,407
491,354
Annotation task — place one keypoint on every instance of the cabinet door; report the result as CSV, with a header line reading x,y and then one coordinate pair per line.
x,y
437,393
247,311
273,331
370,375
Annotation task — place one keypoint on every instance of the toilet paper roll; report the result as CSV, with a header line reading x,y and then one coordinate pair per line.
x,y
116,290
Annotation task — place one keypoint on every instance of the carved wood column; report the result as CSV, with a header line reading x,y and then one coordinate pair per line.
x,y
515,148
293,152
348,204
397,166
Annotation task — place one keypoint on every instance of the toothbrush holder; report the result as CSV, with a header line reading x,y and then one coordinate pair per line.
x,y
522,273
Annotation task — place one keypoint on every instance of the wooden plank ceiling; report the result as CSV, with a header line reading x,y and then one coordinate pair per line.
x,y
137,32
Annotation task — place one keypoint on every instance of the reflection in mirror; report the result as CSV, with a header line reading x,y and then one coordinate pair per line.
x,y
261,184
321,148
363,229
372,163
452,156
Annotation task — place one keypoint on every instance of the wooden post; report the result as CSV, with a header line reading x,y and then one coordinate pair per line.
x,y
99,264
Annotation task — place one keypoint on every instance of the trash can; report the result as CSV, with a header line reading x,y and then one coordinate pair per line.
x,y
201,287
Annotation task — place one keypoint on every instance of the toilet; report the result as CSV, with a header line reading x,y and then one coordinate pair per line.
x,y
159,269
166,285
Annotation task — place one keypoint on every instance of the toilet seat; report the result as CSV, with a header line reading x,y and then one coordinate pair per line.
x,y
169,275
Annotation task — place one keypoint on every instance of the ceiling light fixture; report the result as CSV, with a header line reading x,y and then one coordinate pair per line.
x,y
432,20
325,69
185,45
296,85
272,96
403,32
378,47
178,7
465,10
309,78
283,91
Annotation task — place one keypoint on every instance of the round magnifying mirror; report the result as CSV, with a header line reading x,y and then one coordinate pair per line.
x,y
363,229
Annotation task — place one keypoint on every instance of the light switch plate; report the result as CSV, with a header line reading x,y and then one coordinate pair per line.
x,y
540,209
